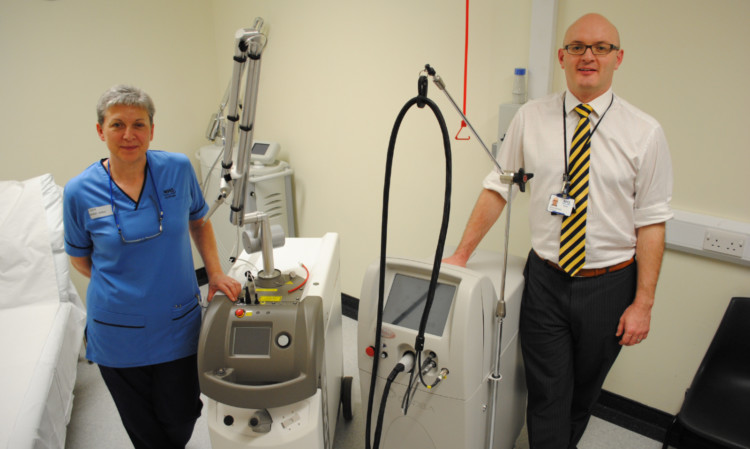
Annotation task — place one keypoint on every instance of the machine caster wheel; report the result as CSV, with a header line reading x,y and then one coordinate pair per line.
x,y
346,397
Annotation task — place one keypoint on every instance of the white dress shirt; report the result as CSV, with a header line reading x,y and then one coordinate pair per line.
x,y
630,176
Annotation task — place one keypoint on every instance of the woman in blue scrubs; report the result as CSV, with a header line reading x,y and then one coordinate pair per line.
x,y
128,223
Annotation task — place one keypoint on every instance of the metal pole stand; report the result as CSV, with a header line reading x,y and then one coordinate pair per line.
x,y
520,178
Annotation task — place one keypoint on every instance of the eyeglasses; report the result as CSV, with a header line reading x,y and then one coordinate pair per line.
x,y
114,210
597,49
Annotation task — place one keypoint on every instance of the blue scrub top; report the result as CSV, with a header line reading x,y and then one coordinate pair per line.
x,y
143,298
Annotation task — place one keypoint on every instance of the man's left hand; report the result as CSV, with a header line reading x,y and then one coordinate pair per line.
x,y
634,324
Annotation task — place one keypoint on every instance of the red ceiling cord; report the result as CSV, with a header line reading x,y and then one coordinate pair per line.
x,y
466,67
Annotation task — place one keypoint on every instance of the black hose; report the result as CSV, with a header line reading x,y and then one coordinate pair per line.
x,y
420,101
381,412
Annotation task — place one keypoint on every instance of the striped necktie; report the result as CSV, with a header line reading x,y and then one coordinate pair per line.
x,y
573,234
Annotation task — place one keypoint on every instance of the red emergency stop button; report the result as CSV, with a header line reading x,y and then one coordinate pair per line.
x,y
370,351
239,313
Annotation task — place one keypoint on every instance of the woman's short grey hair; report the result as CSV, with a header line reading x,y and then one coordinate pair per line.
x,y
127,96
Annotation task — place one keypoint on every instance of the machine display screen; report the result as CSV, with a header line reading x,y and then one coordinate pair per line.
x,y
406,302
259,148
248,340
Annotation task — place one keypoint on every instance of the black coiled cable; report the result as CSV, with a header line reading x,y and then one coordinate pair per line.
x,y
420,100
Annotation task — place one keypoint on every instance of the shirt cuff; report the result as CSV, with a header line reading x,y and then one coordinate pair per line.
x,y
658,213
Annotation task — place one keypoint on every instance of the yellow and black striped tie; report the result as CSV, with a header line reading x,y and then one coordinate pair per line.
x,y
573,234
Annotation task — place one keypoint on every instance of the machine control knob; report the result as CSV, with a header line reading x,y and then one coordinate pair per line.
x,y
239,313
283,340
228,420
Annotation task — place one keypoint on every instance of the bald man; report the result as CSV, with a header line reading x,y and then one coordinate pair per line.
x,y
598,204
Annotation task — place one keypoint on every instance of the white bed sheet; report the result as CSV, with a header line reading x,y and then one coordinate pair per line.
x,y
41,317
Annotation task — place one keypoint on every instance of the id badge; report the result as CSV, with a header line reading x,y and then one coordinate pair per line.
x,y
559,205
101,211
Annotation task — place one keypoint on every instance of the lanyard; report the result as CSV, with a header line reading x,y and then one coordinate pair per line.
x,y
566,175
114,209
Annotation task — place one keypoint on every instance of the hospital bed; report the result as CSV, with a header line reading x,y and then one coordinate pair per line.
x,y
41,317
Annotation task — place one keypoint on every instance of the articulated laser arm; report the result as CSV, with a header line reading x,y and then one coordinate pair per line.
x,y
259,235
249,45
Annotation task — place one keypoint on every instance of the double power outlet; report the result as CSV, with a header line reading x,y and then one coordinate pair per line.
x,y
724,242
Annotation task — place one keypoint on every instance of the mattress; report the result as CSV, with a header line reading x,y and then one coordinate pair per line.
x,y
42,317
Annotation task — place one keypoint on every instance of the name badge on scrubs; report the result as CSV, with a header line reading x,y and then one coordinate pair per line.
x,y
101,211
559,205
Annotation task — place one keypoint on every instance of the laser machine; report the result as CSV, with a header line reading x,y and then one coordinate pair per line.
x,y
271,364
432,338
458,341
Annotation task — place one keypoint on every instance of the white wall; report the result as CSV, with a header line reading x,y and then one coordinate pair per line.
x,y
334,77
335,74
58,57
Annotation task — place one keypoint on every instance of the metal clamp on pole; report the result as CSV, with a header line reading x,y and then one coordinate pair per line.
x,y
495,377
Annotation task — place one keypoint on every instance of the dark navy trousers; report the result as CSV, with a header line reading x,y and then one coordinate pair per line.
x,y
567,331
158,404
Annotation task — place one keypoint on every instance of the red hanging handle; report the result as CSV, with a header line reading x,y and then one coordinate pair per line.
x,y
463,125
466,69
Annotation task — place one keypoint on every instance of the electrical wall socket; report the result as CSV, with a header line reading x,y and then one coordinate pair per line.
x,y
707,236
724,242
